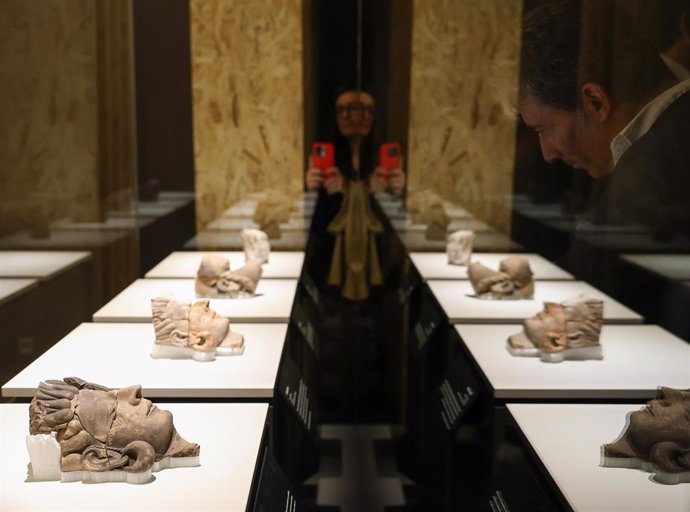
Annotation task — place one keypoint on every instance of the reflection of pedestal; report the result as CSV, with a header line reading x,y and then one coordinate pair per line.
x,y
184,264
36,318
250,375
458,301
271,304
223,481
433,265
566,439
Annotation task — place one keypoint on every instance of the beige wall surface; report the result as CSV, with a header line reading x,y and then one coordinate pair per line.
x,y
465,57
48,110
247,100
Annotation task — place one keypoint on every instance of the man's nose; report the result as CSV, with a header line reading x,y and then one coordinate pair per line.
x,y
550,152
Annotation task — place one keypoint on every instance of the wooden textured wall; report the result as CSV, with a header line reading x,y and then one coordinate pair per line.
x,y
66,117
465,57
48,111
247,100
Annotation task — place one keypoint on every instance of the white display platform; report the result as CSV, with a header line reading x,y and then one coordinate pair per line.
x,y
485,241
43,265
567,439
111,223
637,359
272,304
456,225
672,266
228,241
10,288
458,301
175,195
127,348
230,439
434,265
184,264
295,223
61,238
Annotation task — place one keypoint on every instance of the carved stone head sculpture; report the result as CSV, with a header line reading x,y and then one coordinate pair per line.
x,y
193,331
271,211
85,431
514,280
214,278
427,207
569,330
656,439
459,247
256,245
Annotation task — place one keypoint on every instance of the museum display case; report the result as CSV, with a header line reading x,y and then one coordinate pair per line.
x,y
402,255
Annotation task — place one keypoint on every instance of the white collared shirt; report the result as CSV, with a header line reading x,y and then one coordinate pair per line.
x,y
645,118
675,68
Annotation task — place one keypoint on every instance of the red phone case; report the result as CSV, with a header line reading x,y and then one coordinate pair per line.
x,y
323,155
390,155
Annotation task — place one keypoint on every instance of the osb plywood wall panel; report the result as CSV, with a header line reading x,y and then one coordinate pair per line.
x,y
66,113
464,70
48,114
247,98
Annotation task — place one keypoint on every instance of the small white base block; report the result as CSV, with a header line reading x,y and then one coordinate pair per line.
x,y
573,354
648,467
170,352
44,454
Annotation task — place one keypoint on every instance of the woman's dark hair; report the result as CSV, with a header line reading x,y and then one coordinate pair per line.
x,y
343,154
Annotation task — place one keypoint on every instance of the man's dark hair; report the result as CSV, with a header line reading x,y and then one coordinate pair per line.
x,y
661,20
550,54
567,43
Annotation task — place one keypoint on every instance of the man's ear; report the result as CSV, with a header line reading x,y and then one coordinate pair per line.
x,y
595,101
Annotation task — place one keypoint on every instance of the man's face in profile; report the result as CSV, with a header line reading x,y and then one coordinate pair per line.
x,y
568,136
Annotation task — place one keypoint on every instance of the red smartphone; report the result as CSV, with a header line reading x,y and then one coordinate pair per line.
x,y
323,155
390,156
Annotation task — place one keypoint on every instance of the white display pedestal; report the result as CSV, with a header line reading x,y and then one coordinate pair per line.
x,y
42,265
230,241
230,439
637,359
11,288
672,266
184,264
457,300
567,439
272,304
126,350
434,265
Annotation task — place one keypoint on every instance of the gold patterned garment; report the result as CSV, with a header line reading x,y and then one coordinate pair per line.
x,y
355,264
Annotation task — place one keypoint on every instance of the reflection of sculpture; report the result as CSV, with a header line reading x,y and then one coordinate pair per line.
x,y
562,331
214,278
192,331
459,247
514,280
256,245
656,439
427,208
84,431
271,211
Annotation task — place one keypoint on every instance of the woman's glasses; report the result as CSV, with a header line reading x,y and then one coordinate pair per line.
x,y
354,108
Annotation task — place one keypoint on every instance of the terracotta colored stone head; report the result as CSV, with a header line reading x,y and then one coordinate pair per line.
x,y
103,429
459,247
215,279
256,245
656,438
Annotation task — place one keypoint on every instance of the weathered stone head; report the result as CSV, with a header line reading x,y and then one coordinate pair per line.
x,y
214,278
192,331
272,211
256,245
569,330
459,247
656,439
513,281
85,431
